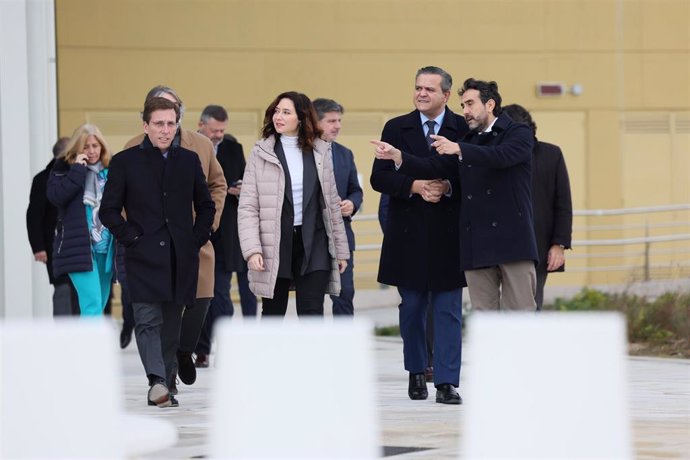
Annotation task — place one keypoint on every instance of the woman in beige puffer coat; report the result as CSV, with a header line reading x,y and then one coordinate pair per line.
x,y
290,226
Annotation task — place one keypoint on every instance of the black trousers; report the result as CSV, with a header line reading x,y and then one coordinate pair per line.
x,y
310,288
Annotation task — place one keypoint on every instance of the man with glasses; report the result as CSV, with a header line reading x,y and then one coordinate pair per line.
x,y
159,185
194,312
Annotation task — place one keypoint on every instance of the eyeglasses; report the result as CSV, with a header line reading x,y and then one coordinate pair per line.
x,y
164,124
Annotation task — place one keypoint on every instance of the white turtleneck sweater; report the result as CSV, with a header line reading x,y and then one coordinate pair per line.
x,y
293,155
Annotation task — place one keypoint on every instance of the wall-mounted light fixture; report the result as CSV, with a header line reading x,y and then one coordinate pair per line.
x,y
554,89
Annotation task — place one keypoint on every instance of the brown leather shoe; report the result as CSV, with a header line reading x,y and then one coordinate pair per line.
x,y
201,360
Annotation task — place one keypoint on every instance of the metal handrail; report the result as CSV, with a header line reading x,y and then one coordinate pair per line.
x,y
589,212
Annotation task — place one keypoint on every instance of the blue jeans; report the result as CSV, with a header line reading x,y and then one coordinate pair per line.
x,y
447,313
342,304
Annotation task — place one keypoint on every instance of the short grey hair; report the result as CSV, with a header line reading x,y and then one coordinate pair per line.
x,y
216,112
446,79
159,91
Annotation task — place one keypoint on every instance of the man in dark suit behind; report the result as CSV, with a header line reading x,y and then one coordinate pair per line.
x,y
420,253
551,202
41,217
226,243
159,186
330,115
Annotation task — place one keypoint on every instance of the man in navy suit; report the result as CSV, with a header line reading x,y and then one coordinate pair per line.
x,y
497,243
330,115
421,251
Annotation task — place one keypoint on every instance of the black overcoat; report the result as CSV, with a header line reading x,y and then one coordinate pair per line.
x,y
421,243
496,213
551,200
161,237
41,217
226,240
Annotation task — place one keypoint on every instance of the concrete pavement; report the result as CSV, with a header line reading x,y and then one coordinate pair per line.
x,y
659,402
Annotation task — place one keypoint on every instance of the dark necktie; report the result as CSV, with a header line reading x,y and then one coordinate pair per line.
x,y
432,125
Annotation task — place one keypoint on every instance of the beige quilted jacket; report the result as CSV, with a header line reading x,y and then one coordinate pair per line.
x,y
261,202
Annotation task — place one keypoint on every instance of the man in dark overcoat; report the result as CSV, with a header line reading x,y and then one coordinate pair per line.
x,y
159,185
420,253
226,242
330,114
41,219
551,202
498,251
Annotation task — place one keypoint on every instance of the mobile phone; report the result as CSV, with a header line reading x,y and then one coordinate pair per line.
x,y
236,183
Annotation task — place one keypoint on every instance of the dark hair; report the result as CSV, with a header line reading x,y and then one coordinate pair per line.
x,y
214,111
324,106
520,114
308,128
487,90
446,79
159,103
157,91
60,146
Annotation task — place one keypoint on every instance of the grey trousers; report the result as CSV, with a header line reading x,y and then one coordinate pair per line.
x,y
157,331
63,300
509,286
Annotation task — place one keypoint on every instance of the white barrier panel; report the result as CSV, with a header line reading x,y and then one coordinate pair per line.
x,y
547,386
62,396
295,389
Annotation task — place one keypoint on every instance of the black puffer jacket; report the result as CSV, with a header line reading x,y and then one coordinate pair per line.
x,y
72,245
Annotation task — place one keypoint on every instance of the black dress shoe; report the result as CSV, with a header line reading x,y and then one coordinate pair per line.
x,y
417,387
446,394
185,368
125,338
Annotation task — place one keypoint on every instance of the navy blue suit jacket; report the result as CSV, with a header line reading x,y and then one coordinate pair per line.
x,y
347,183
421,247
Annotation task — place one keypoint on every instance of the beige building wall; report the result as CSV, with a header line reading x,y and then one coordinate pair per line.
x,y
625,138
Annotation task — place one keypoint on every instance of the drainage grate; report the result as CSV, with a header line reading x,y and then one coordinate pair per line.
x,y
389,451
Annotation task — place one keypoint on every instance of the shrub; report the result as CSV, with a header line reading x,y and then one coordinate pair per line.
x,y
664,321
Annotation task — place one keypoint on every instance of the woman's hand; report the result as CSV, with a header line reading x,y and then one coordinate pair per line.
x,y
81,159
256,262
342,265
